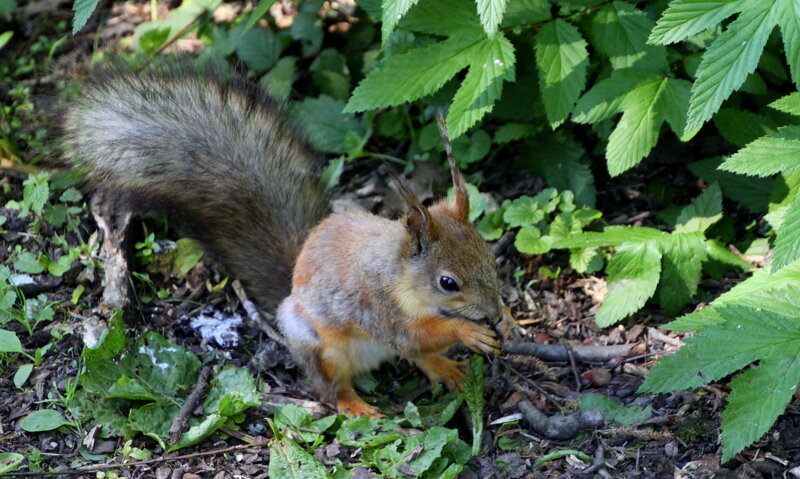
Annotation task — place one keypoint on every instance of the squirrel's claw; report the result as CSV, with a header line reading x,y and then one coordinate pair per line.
x,y
479,338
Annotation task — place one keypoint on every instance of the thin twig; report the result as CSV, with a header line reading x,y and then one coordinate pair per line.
x,y
558,352
255,316
182,418
162,459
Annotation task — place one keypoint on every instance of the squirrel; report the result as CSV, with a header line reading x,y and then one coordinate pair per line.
x,y
219,157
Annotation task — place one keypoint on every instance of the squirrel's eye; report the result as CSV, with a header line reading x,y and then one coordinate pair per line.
x,y
448,284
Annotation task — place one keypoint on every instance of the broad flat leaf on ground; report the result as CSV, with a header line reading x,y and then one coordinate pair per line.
x,y
768,155
727,62
684,18
562,60
633,274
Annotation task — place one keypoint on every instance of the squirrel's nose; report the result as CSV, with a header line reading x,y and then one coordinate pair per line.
x,y
492,310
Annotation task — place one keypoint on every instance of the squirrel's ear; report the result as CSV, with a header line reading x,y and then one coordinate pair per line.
x,y
419,227
460,207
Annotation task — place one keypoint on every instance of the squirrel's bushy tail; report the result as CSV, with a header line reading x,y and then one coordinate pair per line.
x,y
213,152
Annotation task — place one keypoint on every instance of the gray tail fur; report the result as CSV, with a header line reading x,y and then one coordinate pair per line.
x,y
213,152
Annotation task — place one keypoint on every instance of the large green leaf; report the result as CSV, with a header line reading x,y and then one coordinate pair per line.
x,y
620,31
491,13
444,17
704,211
681,268
83,10
605,98
789,21
490,65
789,103
392,12
414,74
562,60
633,275
728,61
775,153
684,18
752,193
611,236
787,245
637,131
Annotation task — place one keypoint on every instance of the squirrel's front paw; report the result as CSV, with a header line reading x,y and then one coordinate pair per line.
x,y
478,338
440,368
353,406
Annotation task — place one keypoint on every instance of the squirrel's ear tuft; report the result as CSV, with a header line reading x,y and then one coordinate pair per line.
x,y
460,206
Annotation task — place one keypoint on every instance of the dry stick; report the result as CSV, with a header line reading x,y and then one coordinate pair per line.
x,y
558,352
255,316
107,467
182,418
574,368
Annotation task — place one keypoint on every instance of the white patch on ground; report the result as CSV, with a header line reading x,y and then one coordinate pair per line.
x,y
148,351
215,327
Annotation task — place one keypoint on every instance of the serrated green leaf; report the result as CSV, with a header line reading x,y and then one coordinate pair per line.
x,y
611,236
491,64
258,13
326,123
526,12
719,252
585,260
789,21
562,59
287,460
83,10
758,396
473,394
681,268
393,11
787,244
42,420
673,105
530,241
444,17
523,211
633,274
752,193
771,154
259,48
414,74
9,342
366,432
747,335
637,131
740,127
515,131
612,410
605,98
728,61
491,13
704,211
492,226
563,164
684,18
620,31
788,104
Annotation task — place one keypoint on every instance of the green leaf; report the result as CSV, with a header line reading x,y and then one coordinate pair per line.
x,y
673,104
287,460
752,193
787,244
9,342
515,131
325,122
491,14
612,410
83,10
562,60
258,48
633,274
620,31
605,98
414,74
611,236
789,21
5,37
490,65
523,211
728,61
279,80
684,18
393,11
42,420
366,432
637,131
258,13
9,461
444,17
22,374
491,227
704,211
473,394
757,398
187,255
788,104
740,127
681,269
563,164
526,12
28,262
771,154
585,260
